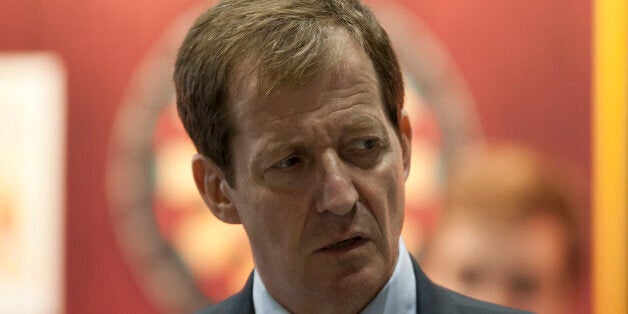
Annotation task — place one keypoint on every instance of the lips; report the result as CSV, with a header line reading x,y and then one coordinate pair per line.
x,y
343,243
346,244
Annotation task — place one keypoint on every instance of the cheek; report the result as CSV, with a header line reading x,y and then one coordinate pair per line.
x,y
271,219
396,203
386,196
394,179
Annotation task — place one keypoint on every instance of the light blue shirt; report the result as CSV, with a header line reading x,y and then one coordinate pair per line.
x,y
397,296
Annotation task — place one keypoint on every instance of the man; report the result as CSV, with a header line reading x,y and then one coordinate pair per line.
x,y
509,233
296,110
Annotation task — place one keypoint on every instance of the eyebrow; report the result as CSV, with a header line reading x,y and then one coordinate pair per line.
x,y
271,149
363,123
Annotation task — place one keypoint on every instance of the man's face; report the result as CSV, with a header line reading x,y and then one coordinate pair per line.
x,y
319,185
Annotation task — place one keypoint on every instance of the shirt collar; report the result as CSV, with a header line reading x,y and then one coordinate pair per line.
x,y
397,296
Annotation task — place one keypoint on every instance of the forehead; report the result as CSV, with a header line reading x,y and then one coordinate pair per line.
x,y
349,80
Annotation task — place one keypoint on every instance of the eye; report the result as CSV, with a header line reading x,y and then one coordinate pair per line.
x,y
364,152
287,163
364,145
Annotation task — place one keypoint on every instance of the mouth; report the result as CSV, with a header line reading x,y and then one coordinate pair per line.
x,y
345,245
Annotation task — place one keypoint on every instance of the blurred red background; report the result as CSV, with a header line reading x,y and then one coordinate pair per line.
x,y
527,63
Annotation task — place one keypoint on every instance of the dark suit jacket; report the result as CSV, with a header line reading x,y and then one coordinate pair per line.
x,y
431,299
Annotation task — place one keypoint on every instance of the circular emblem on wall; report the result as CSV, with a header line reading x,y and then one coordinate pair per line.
x,y
182,256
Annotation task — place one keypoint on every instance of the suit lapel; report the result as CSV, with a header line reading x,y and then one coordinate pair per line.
x,y
242,302
429,297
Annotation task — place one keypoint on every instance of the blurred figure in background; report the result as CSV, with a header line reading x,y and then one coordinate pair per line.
x,y
508,233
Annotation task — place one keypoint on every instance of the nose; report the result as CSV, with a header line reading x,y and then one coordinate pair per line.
x,y
339,194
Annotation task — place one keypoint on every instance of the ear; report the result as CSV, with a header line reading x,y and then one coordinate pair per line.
x,y
406,142
210,182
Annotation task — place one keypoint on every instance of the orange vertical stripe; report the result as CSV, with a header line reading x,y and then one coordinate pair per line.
x,y
610,276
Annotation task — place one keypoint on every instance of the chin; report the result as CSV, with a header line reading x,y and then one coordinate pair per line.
x,y
364,282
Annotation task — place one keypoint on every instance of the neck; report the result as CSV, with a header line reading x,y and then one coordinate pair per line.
x,y
348,294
